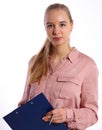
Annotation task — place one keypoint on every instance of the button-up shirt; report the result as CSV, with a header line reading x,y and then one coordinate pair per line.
x,y
73,83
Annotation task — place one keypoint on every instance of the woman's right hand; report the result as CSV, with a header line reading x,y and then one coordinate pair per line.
x,y
21,103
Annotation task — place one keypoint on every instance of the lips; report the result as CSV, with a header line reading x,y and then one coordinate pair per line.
x,y
57,38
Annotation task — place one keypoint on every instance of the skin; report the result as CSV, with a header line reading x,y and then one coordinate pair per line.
x,y
58,28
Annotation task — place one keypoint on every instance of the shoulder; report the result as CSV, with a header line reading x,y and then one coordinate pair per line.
x,y
88,61
31,61
80,57
86,58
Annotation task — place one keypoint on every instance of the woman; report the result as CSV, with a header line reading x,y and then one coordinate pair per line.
x,y
65,75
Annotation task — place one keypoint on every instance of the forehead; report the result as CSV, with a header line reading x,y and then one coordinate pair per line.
x,y
56,15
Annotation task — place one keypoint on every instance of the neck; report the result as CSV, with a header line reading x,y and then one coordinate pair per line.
x,y
61,51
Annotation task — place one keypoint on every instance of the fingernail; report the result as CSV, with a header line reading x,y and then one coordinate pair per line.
x,y
43,118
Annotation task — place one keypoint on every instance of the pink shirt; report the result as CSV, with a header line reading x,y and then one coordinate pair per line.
x,y
74,85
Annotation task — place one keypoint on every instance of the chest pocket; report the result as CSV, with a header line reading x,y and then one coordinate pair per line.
x,y
69,86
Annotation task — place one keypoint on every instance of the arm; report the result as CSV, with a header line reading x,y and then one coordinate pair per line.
x,y
86,115
25,96
25,93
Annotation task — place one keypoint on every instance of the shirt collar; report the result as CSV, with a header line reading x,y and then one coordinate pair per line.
x,y
72,56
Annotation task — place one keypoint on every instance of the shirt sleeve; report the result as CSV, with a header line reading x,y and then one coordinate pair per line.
x,y
25,96
85,116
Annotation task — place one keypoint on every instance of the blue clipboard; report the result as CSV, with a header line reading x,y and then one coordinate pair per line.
x,y
29,116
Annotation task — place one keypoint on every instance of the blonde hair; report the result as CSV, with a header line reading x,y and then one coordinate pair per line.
x,y
58,6
39,65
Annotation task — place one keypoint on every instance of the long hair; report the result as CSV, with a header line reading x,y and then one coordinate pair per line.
x,y
39,65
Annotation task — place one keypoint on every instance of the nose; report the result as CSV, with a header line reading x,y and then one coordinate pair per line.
x,y
56,30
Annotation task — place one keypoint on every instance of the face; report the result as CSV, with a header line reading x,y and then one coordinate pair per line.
x,y
58,27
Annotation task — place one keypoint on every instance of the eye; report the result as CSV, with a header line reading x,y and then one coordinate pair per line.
x,y
62,25
49,26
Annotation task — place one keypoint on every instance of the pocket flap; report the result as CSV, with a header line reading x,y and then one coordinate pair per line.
x,y
68,79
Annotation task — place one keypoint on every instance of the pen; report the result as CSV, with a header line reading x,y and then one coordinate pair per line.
x,y
53,115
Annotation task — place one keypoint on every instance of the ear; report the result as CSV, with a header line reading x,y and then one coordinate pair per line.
x,y
71,26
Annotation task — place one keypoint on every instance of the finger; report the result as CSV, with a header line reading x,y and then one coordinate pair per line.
x,y
57,119
49,113
55,111
46,118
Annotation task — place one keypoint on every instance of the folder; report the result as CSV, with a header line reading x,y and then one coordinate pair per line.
x,y
29,116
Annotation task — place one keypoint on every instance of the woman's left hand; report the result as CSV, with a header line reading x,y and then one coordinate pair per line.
x,y
59,115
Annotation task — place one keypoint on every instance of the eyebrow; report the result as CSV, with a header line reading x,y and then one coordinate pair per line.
x,y
59,22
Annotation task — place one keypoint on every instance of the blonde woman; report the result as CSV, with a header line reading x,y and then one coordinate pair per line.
x,y
63,74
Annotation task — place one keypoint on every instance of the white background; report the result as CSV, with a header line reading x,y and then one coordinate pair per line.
x,y
22,34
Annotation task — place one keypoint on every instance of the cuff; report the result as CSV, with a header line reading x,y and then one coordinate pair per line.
x,y
69,115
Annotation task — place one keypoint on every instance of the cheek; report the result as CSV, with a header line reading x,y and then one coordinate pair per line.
x,y
49,34
67,33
